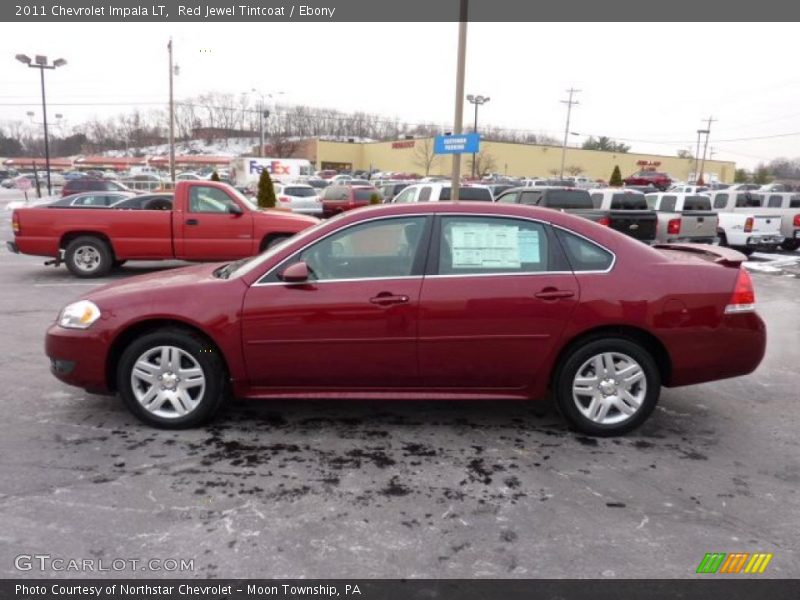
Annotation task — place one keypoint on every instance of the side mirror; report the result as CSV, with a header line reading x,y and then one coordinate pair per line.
x,y
235,209
296,273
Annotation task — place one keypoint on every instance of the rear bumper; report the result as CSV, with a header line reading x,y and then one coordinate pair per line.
x,y
755,241
12,247
692,240
77,358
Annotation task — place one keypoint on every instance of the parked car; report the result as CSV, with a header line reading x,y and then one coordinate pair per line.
x,y
582,182
338,198
499,188
442,192
683,218
744,187
300,198
627,212
318,184
91,199
689,189
571,200
16,182
753,220
89,184
662,181
390,190
146,202
491,301
208,221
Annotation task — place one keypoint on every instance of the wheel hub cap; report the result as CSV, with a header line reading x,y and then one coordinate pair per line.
x,y
608,387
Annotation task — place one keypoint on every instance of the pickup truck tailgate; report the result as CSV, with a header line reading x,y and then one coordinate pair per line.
x,y
638,224
767,224
698,224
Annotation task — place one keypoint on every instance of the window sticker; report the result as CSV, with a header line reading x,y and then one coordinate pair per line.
x,y
528,246
485,246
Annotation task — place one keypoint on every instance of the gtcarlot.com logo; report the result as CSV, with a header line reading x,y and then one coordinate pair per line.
x,y
736,562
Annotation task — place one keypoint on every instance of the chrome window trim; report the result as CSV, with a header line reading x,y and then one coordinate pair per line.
x,y
259,283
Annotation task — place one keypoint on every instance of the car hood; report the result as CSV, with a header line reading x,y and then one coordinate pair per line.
x,y
157,284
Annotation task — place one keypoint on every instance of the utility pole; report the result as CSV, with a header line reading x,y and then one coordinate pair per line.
x,y
570,103
459,116
705,146
171,117
697,157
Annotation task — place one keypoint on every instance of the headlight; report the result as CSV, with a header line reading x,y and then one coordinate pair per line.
x,y
79,315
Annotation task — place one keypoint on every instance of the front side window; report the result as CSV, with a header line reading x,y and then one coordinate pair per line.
x,y
203,199
509,198
378,249
530,198
584,255
489,245
405,196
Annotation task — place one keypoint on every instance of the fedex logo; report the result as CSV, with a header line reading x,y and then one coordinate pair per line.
x,y
274,167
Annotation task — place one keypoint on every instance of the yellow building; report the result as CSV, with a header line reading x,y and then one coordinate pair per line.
x,y
517,160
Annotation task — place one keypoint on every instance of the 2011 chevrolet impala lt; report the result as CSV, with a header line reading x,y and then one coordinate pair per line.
x,y
423,301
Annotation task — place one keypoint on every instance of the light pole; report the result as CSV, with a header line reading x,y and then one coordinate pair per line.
x,y
477,101
40,62
461,61
570,103
697,155
263,114
173,70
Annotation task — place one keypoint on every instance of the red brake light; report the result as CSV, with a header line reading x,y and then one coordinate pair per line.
x,y
748,225
743,298
796,221
674,226
284,199
605,221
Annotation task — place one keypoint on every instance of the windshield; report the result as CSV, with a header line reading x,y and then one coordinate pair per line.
x,y
300,192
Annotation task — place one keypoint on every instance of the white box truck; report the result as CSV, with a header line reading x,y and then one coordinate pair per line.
x,y
245,170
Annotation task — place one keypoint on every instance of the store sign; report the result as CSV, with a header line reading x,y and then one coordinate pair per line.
x,y
467,143
648,163
405,144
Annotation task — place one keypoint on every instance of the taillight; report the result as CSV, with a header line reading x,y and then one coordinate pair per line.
x,y
748,225
796,222
15,222
674,226
743,298
606,221
284,199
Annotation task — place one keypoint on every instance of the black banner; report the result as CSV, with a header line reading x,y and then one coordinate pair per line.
x,y
731,588
394,10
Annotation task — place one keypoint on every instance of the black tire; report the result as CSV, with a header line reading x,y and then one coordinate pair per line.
x,y
78,253
745,251
119,263
273,241
577,358
790,245
723,239
208,399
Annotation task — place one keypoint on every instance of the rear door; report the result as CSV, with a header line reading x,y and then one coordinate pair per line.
x,y
210,231
494,302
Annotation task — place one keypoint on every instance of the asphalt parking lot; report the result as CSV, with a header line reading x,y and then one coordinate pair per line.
x,y
390,489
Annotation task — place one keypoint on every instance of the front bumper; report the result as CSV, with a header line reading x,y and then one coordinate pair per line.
x,y
77,357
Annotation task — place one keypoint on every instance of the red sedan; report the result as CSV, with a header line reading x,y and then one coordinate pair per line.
x,y
423,301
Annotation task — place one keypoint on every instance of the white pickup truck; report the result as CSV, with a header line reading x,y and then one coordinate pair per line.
x,y
744,226
787,205
683,218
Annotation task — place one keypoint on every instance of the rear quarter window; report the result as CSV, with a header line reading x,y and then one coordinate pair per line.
x,y
584,255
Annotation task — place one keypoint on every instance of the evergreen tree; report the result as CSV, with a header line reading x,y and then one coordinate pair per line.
x,y
214,176
616,178
266,191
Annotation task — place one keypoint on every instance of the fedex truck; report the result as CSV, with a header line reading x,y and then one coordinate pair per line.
x,y
245,170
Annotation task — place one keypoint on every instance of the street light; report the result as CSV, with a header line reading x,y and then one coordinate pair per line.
x,y
263,114
41,64
477,101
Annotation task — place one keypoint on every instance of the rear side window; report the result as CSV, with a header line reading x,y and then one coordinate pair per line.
x,y
597,200
424,194
721,201
530,198
627,202
468,193
794,203
697,203
567,199
668,204
584,255
774,202
748,200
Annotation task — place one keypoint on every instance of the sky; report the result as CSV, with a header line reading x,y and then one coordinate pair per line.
x,y
649,85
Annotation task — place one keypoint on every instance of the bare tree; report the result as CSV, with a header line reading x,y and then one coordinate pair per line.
x,y
283,147
485,163
423,155
574,170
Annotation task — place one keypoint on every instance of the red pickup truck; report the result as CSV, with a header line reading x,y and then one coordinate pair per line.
x,y
206,221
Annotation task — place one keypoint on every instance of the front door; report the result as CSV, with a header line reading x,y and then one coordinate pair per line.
x,y
353,324
494,303
210,231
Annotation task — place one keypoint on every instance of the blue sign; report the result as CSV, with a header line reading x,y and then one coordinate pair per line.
x,y
464,143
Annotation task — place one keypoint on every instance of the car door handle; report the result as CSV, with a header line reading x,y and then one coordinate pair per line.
x,y
387,299
192,222
554,294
